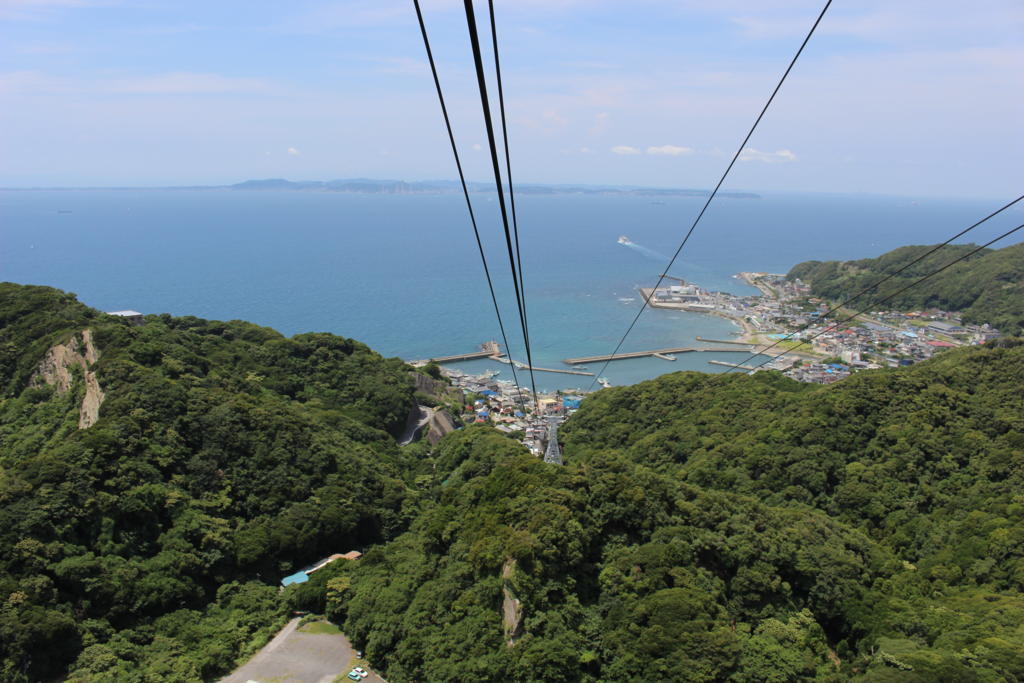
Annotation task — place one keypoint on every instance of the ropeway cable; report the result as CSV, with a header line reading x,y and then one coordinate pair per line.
x,y
469,204
489,124
508,173
664,272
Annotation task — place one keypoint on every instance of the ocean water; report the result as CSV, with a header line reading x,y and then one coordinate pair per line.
x,y
402,273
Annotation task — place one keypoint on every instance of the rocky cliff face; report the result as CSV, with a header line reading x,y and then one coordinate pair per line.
x,y
55,370
441,423
511,606
437,388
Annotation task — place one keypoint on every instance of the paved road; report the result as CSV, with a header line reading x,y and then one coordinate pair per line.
x,y
413,429
296,656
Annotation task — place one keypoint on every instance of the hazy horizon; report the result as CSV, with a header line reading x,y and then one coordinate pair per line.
x,y
724,193
920,99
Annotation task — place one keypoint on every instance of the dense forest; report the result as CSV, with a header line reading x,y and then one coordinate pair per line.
x,y
987,287
721,527
225,455
704,527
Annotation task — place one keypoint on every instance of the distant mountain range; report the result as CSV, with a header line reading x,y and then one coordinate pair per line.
x,y
372,186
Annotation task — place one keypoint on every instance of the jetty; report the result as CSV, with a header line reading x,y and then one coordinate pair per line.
x,y
724,341
492,351
488,349
731,365
657,353
524,366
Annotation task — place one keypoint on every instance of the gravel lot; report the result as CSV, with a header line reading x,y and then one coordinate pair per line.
x,y
297,656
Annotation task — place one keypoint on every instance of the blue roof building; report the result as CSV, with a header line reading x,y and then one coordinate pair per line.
x,y
298,577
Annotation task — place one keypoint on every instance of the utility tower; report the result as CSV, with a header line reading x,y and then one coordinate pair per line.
x,y
553,454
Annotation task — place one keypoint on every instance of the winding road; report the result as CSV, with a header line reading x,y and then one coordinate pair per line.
x,y
413,428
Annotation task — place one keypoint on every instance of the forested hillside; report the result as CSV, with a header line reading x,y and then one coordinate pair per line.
x,y
224,456
704,527
723,527
987,287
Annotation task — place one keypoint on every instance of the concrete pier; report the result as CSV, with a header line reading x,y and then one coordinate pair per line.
x,y
731,365
487,350
724,341
523,366
660,353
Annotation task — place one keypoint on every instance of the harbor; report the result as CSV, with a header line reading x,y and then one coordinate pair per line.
x,y
491,350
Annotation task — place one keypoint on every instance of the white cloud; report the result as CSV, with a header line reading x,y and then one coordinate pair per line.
x,y
44,48
14,82
34,10
670,150
293,152
624,149
751,154
403,66
185,83
585,150
178,83
601,123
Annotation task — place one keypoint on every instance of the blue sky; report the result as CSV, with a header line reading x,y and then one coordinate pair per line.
x,y
913,97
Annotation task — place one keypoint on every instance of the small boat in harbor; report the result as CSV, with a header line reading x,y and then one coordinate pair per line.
x,y
624,240
603,381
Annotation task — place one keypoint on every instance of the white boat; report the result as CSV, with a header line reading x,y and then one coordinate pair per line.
x,y
624,240
603,381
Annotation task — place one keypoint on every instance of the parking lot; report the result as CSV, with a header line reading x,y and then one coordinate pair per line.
x,y
310,654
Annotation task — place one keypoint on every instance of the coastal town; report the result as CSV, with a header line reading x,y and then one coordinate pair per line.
x,y
809,340
515,411
783,327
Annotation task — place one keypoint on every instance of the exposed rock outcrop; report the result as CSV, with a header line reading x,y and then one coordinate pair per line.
x,y
436,422
441,423
437,388
55,370
511,606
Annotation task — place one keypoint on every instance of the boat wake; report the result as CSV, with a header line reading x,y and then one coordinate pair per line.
x,y
644,251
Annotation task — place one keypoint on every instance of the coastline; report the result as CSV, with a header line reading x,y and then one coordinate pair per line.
x,y
749,334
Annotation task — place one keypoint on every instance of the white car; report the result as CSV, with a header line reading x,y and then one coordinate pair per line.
x,y
363,673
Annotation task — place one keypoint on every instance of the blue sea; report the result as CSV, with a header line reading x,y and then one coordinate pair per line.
x,y
402,273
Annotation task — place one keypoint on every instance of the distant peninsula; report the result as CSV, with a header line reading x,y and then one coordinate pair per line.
x,y
373,186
